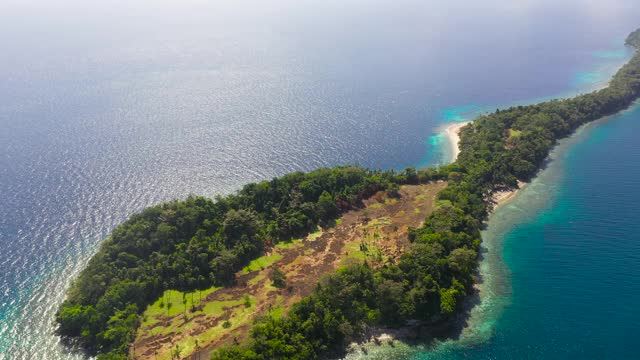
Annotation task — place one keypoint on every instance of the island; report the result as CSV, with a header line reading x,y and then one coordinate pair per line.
x,y
189,258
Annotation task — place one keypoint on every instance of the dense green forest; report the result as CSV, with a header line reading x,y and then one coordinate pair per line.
x,y
198,242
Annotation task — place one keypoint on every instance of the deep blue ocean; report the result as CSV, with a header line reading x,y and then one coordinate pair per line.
x,y
109,107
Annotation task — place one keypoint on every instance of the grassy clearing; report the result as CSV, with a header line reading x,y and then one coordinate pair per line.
x,y
261,263
391,201
277,312
361,251
372,234
238,314
286,245
256,279
316,234
237,309
277,309
171,303
381,221
217,307
353,252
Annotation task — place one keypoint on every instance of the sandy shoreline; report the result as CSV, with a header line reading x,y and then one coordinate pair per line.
x,y
453,137
387,336
501,198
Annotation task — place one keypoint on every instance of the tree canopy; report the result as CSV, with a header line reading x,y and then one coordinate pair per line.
x,y
196,243
199,242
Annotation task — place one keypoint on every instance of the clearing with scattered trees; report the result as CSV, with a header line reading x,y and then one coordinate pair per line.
x,y
181,324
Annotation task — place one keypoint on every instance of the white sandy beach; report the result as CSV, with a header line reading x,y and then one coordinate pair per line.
x,y
502,197
453,137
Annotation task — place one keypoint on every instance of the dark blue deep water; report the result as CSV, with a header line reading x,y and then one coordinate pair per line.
x,y
108,107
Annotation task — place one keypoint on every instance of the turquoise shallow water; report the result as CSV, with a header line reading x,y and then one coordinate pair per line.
x,y
571,250
109,107
562,259
561,273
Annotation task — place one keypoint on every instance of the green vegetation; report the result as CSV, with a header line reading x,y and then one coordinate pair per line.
x,y
427,284
261,263
277,278
171,303
434,275
238,311
199,243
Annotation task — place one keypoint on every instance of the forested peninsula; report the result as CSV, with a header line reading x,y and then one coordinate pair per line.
x,y
198,243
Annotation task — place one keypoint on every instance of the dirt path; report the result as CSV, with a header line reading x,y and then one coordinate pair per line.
x,y
377,233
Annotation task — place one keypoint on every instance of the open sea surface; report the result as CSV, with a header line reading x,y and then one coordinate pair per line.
x,y
109,107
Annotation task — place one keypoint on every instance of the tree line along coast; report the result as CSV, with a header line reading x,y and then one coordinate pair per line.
x,y
199,243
